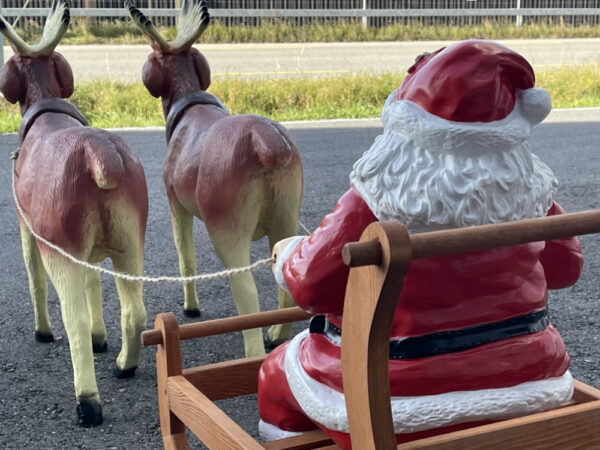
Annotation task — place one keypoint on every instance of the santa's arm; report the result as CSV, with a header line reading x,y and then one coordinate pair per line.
x,y
562,258
311,268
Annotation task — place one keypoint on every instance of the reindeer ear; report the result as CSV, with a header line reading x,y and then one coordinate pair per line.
x,y
202,68
152,76
11,82
64,74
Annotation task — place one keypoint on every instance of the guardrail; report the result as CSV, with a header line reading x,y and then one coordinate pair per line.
x,y
456,12
283,13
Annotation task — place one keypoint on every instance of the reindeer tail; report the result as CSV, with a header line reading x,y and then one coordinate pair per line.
x,y
272,145
104,162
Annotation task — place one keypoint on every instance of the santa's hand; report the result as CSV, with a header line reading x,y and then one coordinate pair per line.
x,y
279,248
280,252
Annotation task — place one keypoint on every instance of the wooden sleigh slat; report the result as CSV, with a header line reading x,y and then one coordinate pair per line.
x,y
573,427
186,396
204,418
306,441
226,379
584,393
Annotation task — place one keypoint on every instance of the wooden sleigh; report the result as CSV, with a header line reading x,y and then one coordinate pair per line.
x,y
379,262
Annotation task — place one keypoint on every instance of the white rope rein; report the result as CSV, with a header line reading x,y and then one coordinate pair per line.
x,y
126,276
306,230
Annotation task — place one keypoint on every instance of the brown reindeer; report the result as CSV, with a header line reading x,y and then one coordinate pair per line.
x,y
241,175
83,190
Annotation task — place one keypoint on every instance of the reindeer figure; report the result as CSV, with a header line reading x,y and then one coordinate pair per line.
x,y
241,175
84,190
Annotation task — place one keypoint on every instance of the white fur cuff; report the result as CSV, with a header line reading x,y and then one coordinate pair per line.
x,y
278,272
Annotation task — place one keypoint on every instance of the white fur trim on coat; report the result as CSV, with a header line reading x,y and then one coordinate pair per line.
x,y
327,406
270,432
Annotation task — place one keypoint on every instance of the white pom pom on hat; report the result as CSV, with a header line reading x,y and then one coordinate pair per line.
x,y
535,104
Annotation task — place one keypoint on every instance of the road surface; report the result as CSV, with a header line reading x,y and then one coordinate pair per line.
x,y
124,62
37,405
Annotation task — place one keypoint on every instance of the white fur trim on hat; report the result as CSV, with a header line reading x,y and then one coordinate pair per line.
x,y
327,406
467,138
433,174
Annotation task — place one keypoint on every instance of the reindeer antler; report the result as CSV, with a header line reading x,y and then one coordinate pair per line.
x,y
56,26
193,20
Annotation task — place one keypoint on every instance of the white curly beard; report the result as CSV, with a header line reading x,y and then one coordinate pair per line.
x,y
432,173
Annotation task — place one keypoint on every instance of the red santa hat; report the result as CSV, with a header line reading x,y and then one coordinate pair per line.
x,y
462,116
474,81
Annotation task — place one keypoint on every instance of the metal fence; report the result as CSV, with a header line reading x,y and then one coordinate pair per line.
x,y
375,13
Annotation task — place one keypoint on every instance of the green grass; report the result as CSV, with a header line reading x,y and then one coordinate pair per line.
x,y
108,104
349,96
82,31
572,88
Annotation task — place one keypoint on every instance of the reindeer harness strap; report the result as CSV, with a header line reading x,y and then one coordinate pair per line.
x,y
181,105
55,105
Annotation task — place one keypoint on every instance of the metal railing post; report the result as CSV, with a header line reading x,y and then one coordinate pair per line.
x,y
1,42
365,19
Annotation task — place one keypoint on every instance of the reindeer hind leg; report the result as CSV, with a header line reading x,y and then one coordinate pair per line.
x,y
276,334
133,312
93,294
68,280
38,285
283,223
182,222
233,249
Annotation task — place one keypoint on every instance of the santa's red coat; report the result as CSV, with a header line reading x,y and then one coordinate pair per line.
x,y
438,294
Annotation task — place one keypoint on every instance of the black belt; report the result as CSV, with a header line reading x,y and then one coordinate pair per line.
x,y
449,341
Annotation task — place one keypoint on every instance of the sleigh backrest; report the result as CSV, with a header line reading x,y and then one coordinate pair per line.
x,y
379,263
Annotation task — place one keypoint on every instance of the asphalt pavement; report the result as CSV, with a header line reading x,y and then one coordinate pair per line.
x,y
123,63
37,405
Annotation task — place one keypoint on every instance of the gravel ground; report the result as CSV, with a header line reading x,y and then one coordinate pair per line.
x,y
37,407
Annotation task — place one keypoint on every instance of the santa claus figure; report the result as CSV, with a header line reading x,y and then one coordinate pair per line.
x,y
471,340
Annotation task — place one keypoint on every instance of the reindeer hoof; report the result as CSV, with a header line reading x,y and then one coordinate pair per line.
x,y
191,312
89,413
99,348
270,345
124,373
44,336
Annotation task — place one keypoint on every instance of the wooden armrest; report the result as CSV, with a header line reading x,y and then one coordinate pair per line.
x,y
481,237
227,325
